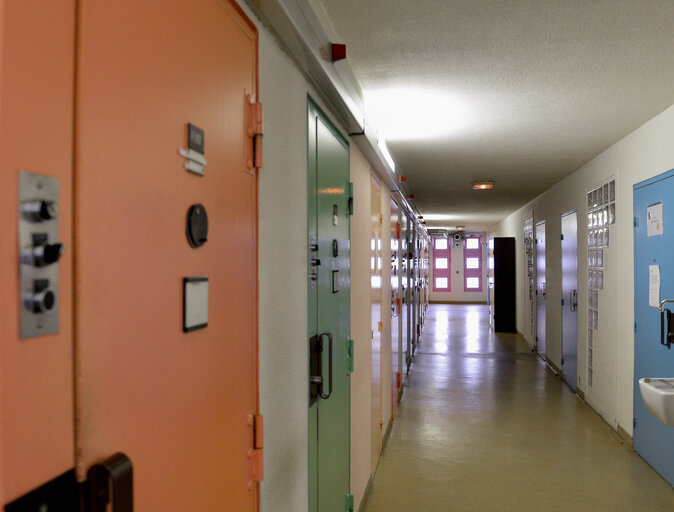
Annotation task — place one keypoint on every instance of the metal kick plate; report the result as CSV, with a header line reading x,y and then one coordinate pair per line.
x,y
33,189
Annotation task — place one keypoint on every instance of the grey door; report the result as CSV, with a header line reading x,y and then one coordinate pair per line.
x,y
570,298
540,289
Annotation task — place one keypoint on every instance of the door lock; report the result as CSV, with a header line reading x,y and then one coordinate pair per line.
x,y
42,253
39,253
39,210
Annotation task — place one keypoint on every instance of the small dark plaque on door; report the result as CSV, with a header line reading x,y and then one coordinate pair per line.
x,y
195,138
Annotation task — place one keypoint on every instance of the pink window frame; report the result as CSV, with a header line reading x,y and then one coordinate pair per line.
x,y
443,272
472,272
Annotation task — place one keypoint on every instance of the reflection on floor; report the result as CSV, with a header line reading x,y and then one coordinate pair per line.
x,y
483,426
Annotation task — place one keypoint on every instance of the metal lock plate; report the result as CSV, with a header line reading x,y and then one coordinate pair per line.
x,y
39,252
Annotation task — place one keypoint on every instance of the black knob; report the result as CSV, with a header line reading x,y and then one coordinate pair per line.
x,y
50,253
49,210
40,210
42,301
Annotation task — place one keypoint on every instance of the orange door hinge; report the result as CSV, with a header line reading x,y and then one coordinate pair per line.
x,y
258,448
254,129
256,451
380,326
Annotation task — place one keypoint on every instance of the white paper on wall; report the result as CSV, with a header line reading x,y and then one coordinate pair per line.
x,y
654,286
654,219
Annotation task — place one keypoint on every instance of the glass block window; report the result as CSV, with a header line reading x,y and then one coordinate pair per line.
x,y
472,257
442,265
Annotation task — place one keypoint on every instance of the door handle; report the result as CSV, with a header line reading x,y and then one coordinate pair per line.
x,y
573,300
316,379
666,335
320,388
114,474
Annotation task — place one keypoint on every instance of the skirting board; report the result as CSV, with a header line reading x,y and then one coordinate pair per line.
x,y
387,434
482,302
553,368
366,495
622,434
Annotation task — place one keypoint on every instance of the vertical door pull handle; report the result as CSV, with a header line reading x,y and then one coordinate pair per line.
x,y
114,474
320,392
666,334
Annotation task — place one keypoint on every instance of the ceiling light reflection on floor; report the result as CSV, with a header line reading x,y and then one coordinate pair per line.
x,y
412,113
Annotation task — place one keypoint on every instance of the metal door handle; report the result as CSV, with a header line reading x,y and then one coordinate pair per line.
x,y
666,335
116,474
320,387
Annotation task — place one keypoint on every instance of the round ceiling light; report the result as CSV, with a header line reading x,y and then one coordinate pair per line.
x,y
483,185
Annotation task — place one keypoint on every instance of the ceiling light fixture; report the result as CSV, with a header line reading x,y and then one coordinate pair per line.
x,y
483,185
387,156
461,228
411,113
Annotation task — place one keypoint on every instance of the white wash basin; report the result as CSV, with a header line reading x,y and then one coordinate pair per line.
x,y
658,394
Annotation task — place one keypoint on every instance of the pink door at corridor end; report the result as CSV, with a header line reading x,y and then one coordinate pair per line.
x,y
181,405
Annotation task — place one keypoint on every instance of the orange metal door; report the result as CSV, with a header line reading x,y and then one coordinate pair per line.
x,y
180,405
36,118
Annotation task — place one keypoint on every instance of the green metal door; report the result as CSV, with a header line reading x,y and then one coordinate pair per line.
x,y
330,350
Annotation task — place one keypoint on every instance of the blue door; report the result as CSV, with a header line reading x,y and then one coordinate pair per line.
x,y
570,298
653,440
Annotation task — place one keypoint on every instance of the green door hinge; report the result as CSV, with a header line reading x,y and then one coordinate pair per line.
x,y
349,356
350,188
349,502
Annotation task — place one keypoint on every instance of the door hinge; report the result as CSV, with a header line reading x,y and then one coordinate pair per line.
x,y
634,424
348,502
562,302
350,200
256,453
254,130
381,219
380,326
562,237
111,482
562,360
349,356
635,327
636,222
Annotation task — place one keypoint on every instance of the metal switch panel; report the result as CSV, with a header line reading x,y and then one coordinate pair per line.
x,y
39,252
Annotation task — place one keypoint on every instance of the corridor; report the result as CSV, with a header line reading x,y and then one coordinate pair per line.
x,y
484,426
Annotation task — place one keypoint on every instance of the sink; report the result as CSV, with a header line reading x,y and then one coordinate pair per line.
x,y
658,394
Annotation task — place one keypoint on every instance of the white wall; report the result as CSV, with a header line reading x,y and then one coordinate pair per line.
x,y
361,313
283,335
457,293
645,153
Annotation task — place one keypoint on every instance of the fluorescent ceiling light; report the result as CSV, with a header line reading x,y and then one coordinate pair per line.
x,y
440,216
413,113
389,159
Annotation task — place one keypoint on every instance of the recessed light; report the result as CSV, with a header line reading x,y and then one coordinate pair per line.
x,y
460,228
483,185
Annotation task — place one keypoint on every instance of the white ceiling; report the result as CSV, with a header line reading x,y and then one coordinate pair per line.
x,y
540,88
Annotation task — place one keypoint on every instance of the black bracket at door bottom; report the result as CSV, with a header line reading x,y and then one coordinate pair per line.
x,y
111,481
114,474
62,494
